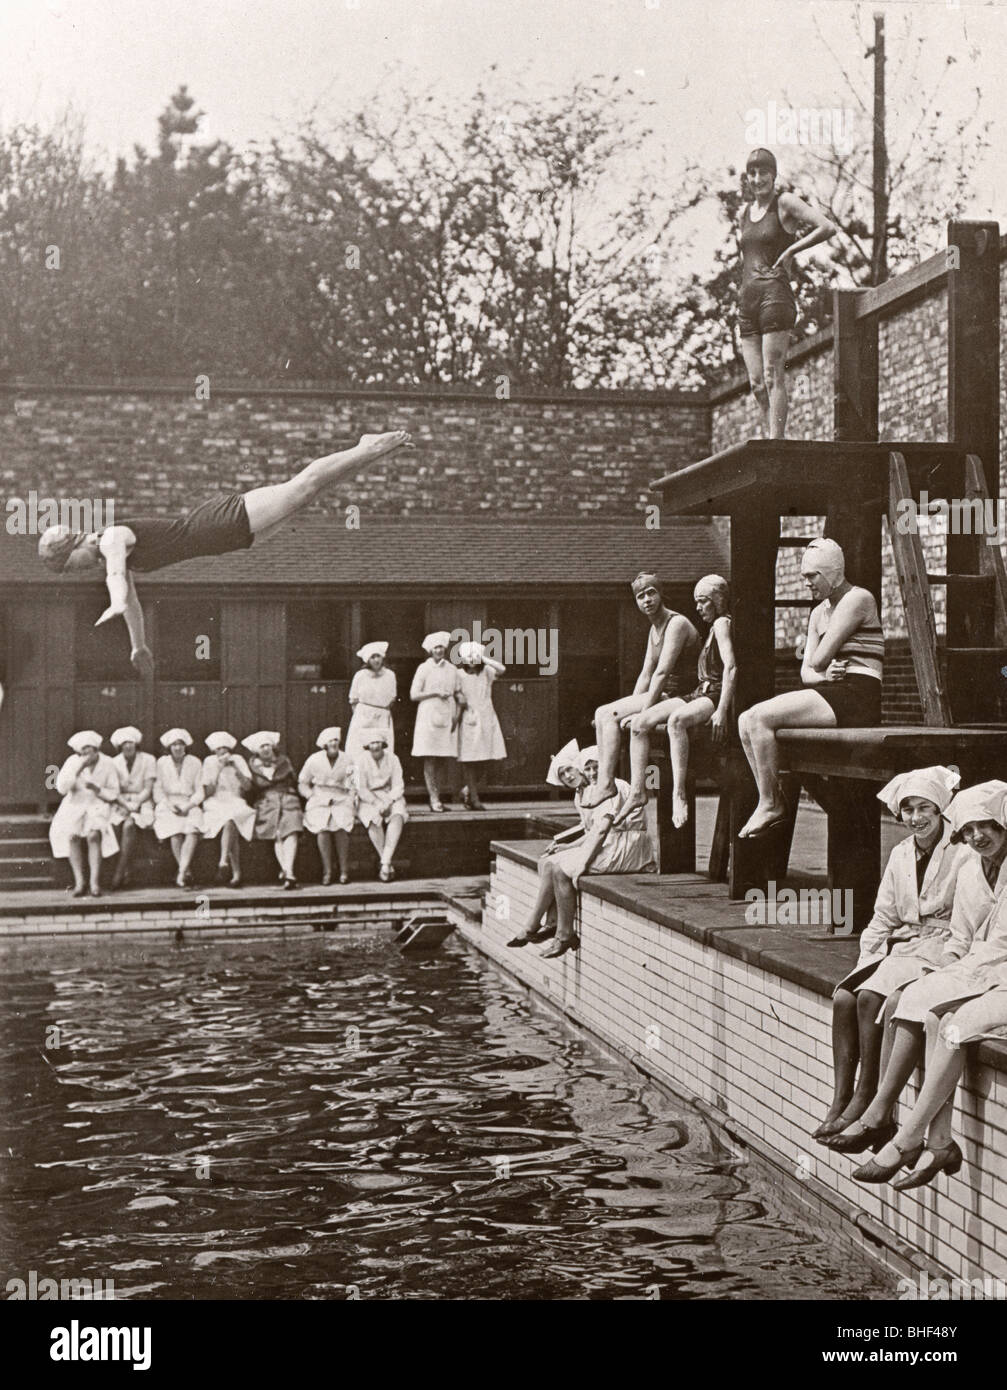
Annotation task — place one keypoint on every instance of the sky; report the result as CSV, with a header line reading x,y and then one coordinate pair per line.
x,y
257,67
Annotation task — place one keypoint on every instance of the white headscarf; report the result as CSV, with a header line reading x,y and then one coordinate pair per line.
x,y
938,784
436,639
985,801
176,736
471,651
220,739
327,736
86,738
127,734
370,649
588,755
568,756
255,742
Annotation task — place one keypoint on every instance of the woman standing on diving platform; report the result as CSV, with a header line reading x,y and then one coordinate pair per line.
x,y
229,521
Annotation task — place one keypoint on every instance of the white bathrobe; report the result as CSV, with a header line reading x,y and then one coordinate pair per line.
x,y
82,811
134,781
223,799
175,783
329,791
900,904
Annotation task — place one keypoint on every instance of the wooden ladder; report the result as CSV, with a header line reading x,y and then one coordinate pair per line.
x,y
985,589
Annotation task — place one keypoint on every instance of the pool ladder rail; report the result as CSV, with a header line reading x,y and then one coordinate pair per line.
x,y
423,931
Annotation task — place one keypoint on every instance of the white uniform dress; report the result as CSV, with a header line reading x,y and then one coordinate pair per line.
x,y
480,738
372,713
133,781
626,849
82,811
381,789
979,940
900,904
330,791
432,736
177,783
223,798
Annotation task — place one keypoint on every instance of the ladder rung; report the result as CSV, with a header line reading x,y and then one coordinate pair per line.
x,y
797,540
1000,653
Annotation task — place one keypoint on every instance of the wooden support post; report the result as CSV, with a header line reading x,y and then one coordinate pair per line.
x,y
754,536
854,369
973,384
855,847
678,847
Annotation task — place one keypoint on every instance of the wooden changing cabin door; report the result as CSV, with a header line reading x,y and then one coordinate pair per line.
x,y
38,710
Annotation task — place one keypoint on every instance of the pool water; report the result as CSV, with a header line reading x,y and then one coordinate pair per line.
x,y
321,1117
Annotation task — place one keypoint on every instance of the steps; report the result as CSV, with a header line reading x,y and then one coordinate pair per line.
x,y
25,856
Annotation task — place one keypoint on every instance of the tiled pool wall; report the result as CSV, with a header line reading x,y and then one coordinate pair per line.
x,y
753,1050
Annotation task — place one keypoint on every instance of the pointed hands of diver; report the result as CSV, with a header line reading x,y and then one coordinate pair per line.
x,y
143,662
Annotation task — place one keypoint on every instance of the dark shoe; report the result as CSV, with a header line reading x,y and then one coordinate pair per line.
x,y
223,870
873,1171
344,878
827,1128
870,1137
235,882
559,946
947,1160
79,891
289,883
520,941
385,873
477,806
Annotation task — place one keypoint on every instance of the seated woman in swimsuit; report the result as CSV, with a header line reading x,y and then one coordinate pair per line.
x,y
841,673
978,936
668,671
229,521
905,938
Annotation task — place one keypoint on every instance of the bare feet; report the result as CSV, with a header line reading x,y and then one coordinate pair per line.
x,y
601,792
372,446
637,800
762,819
679,810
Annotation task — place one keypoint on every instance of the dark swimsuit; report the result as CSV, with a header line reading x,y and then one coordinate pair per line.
x,y
766,303
213,528
685,668
710,672
856,699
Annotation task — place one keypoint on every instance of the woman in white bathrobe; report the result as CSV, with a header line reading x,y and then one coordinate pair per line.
x,y
382,806
226,809
480,738
904,939
81,830
435,689
978,816
135,811
178,797
373,691
328,785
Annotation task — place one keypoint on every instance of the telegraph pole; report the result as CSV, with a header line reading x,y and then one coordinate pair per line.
x,y
879,254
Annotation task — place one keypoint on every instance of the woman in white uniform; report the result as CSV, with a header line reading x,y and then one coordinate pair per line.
x,y
382,806
135,811
603,848
480,738
178,796
373,691
227,811
329,787
81,829
978,816
435,689
904,939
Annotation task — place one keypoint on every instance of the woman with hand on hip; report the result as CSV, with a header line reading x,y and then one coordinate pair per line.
x,y
435,689
327,783
767,308
81,830
135,811
278,813
178,798
373,691
227,811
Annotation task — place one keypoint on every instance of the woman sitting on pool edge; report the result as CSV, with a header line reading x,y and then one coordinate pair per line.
x,y
841,674
603,848
81,830
905,937
278,813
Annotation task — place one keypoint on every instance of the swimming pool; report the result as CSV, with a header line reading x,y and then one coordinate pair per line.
x,y
321,1117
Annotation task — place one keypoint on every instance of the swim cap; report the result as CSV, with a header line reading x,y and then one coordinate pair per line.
x,y
827,558
714,586
761,159
645,580
55,546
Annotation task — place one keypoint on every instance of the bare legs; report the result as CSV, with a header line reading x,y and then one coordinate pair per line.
x,y
85,857
230,852
183,847
470,791
432,768
608,727
765,361
269,507
685,717
798,709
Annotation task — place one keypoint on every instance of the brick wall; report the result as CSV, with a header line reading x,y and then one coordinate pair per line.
x,y
158,450
757,1048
